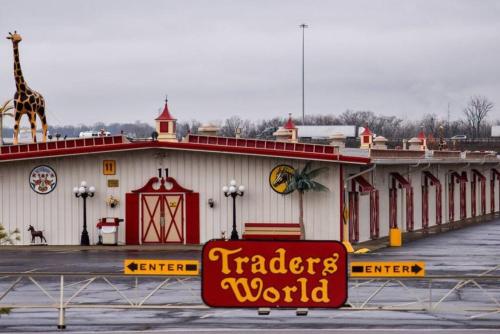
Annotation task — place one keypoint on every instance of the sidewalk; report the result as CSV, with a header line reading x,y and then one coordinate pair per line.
x,y
419,234
371,244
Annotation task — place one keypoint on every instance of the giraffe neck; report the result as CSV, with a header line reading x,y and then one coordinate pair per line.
x,y
18,74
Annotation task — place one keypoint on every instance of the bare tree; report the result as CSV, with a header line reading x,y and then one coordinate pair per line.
x,y
475,112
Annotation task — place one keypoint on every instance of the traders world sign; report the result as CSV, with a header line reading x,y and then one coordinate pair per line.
x,y
43,179
274,274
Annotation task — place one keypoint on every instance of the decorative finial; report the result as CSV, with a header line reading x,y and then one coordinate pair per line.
x,y
166,98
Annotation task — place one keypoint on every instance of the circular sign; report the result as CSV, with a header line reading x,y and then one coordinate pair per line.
x,y
43,179
280,178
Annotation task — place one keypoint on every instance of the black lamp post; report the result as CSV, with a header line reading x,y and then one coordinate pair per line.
x,y
234,191
83,191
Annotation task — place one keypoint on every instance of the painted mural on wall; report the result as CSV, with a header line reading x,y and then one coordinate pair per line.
x,y
279,178
43,179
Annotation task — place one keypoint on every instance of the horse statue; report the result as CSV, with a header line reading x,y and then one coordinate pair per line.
x,y
35,234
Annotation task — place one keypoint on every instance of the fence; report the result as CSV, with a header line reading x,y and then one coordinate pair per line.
x,y
471,297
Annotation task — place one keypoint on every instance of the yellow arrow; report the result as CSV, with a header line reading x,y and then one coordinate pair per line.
x,y
388,269
161,267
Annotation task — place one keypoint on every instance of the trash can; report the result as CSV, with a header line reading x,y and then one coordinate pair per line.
x,y
107,229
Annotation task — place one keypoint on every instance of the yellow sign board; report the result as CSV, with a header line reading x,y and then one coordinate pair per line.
x,y
161,267
113,183
387,269
279,178
109,167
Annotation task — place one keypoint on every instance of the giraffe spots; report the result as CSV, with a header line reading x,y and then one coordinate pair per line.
x,y
18,116
16,127
32,125
27,106
19,73
23,96
22,87
32,99
16,95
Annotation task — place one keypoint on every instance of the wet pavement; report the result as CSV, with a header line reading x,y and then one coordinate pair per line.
x,y
472,250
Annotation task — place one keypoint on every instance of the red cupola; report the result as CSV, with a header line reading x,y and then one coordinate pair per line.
x,y
165,125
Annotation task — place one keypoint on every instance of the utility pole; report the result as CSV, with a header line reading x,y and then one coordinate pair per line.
x,y
448,125
303,26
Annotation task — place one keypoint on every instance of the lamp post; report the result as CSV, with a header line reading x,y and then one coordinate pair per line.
x,y
84,191
234,191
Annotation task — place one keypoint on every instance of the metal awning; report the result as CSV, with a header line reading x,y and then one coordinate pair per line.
x,y
434,180
403,183
364,186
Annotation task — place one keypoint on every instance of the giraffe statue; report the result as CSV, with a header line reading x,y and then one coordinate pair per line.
x,y
26,100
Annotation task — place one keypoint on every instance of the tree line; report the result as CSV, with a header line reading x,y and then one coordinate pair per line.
x,y
474,123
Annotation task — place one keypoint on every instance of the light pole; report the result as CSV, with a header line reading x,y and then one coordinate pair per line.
x,y
234,191
84,191
303,26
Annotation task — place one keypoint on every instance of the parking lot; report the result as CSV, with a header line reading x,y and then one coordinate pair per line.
x,y
468,251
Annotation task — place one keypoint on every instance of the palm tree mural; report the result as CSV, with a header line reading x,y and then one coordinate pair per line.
x,y
4,108
302,181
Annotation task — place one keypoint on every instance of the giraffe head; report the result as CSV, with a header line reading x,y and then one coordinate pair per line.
x,y
15,37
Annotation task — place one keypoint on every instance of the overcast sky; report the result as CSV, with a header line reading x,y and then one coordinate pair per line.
x,y
114,61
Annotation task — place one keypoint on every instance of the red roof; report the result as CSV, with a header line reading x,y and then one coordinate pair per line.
x,y
165,115
241,146
289,124
421,135
366,132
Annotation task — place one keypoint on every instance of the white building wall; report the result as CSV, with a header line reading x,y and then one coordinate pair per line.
x,y
59,214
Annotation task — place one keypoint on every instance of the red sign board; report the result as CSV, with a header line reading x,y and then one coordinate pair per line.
x,y
288,274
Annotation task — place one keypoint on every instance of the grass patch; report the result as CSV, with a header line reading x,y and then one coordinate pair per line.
x,y
5,310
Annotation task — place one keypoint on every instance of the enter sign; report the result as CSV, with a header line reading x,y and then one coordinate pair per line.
x,y
388,269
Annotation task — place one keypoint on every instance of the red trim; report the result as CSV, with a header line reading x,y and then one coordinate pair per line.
x,y
132,219
270,237
495,175
463,195
366,132
192,218
374,215
353,216
165,115
196,143
398,181
402,182
146,226
289,124
451,198
341,192
478,176
163,126
434,181
173,222
393,207
364,186
149,188
272,225
425,206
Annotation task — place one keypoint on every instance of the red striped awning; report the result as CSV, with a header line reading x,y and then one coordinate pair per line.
x,y
403,183
364,186
434,180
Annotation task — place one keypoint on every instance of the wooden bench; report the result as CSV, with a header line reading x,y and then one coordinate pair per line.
x,y
271,231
